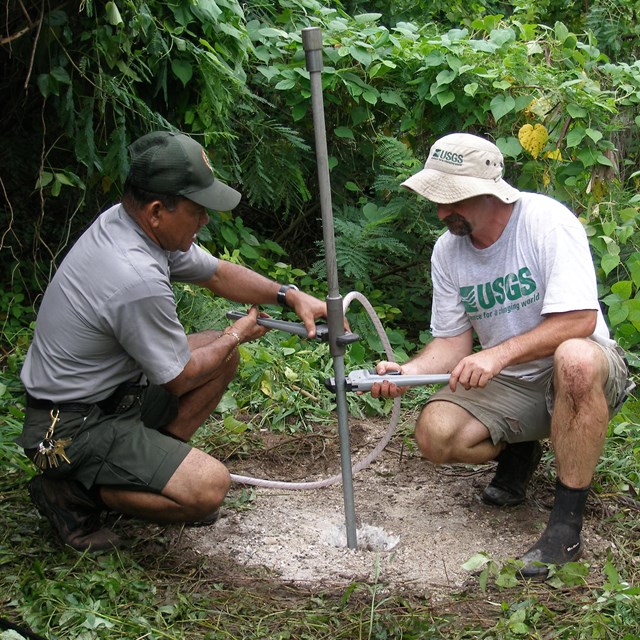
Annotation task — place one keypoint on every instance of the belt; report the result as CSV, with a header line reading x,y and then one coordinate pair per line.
x,y
122,399
47,405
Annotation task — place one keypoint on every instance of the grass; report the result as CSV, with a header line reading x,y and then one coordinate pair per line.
x,y
156,589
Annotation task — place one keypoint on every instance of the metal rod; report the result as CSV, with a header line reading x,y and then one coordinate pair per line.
x,y
312,44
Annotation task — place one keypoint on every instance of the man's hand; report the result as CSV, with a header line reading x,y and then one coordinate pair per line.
x,y
308,309
387,389
247,327
475,370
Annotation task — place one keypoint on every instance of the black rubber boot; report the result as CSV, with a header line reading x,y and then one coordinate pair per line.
x,y
206,521
560,543
516,465
74,513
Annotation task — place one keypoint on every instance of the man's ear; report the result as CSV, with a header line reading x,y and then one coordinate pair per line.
x,y
153,212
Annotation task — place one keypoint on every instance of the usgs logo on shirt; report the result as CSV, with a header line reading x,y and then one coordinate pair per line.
x,y
447,156
510,287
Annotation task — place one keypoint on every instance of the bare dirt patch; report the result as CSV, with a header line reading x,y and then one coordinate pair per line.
x,y
433,513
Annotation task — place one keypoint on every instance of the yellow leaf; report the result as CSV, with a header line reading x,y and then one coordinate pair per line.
x,y
533,138
546,178
265,387
556,154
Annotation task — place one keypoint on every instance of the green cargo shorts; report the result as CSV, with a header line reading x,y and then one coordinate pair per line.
x,y
516,410
124,450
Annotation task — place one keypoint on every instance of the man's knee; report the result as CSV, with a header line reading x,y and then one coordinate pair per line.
x,y
579,368
199,485
432,437
208,495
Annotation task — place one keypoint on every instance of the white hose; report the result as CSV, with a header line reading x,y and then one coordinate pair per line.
x,y
365,462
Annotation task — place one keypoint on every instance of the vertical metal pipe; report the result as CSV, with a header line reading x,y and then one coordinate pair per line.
x,y
312,44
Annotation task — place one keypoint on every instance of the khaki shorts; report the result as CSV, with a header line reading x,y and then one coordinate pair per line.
x,y
124,450
515,410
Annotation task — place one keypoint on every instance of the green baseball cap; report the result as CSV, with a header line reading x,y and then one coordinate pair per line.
x,y
175,164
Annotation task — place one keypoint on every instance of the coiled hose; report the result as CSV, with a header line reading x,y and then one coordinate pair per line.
x,y
365,462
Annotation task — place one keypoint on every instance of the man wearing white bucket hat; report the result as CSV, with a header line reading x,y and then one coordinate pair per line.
x,y
514,269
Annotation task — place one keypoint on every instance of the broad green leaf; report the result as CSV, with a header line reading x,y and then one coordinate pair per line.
x,y
233,425
61,75
447,76
62,178
344,132
361,55
370,211
183,70
501,105
45,82
299,111
561,31
45,178
113,14
602,159
471,88
476,562
595,135
575,111
434,59
503,85
575,136
359,115
623,288
392,97
286,84
618,313
367,17
370,95
509,147
502,36
229,234
445,98
587,156
208,9
273,33
609,262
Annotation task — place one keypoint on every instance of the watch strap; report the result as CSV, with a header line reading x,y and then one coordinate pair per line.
x,y
282,294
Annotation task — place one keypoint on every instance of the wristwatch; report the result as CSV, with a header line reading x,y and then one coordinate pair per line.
x,y
282,293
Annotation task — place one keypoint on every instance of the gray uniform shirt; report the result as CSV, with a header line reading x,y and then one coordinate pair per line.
x,y
109,314
541,264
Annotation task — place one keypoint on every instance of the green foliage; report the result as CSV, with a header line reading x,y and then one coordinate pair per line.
x,y
236,78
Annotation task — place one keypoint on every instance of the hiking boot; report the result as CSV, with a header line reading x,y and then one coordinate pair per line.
x,y
73,514
516,464
558,545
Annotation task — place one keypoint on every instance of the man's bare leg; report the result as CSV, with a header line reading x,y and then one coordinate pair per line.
x,y
578,429
447,433
197,488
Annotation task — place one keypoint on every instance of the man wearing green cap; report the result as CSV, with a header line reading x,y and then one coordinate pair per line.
x,y
513,271
115,388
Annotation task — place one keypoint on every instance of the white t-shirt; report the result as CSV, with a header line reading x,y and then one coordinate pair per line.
x,y
109,314
541,264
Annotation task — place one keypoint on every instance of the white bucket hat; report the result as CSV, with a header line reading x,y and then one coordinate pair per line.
x,y
461,166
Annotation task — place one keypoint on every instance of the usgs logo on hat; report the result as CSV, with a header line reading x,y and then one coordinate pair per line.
x,y
447,156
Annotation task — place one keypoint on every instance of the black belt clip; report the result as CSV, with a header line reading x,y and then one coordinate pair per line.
x,y
122,399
